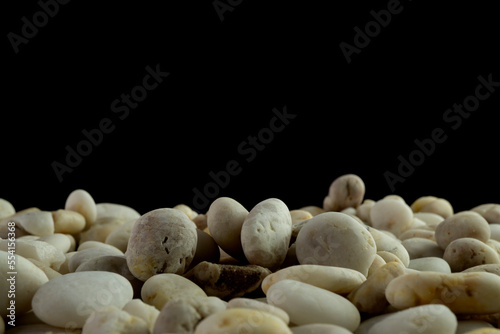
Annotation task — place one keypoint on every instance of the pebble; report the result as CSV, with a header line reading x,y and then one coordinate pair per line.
x,y
101,229
464,253
68,300
190,213
425,319
369,297
335,279
313,209
489,268
266,233
38,250
436,264
260,306
38,223
6,208
227,281
161,241
431,219
60,241
319,329
495,232
225,219
49,272
42,329
119,211
389,244
363,211
206,249
463,293
465,326
378,262
27,281
67,221
140,309
490,212
82,202
345,191
85,255
336,239
417,233
161,288
120,236
307,304
111,319
391,215
465,224
183,314
241,320
421,247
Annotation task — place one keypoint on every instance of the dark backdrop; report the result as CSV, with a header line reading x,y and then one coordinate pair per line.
x,y
230,64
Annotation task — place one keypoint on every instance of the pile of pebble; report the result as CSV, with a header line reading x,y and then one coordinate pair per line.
x,y
353,265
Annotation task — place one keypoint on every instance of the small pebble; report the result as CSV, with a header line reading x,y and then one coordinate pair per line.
x,y
82,202
489,268
82,256
67,221
391,215
140,309
38,223
345,191
421,247
436,264
119,211
38,250
465,253
256,305
389,244
466,224
101,229
111,319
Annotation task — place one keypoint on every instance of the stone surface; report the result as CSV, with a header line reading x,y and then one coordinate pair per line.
x,y
464,253
344,192
38,250
38,223
111,319
206,249
227,281
336,239
161,241
307,304
6,208
85,255
436,264
140,309
391,215
319,329
67,221
389,244
120,236
266,233
421,247
68,300
113,210
466,224
82,202
260,306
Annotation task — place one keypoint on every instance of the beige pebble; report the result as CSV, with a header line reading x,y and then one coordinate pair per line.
x,y
140,309
240,320
225,219
190,213
94,244
495,232
161,241
111,319
26,282
465,326
389,244
439,206
369,297
38,223
49,272
183,314
421,247
59,241
319,329
101,229
484,331
345,191
431,219
365,326
363,211
436,264
6,208
299,215
38,250
495,245
206,249
67,221
335,279
391,215
490,212
117,211
161,288
307,304
465,224
336,239
200,221
85,255
82,202
420,202
378,261
489,268
389,257
425,319
417,233
64,269
4,223
463,293
120,235
313,210
464,253
256,305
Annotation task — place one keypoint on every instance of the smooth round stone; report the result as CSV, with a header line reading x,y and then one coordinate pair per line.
x,y
266,233
49,272
161,288
182,315
59,241
94,244
436,264
389,244
466,224
363,211
344,192
6,208
335,279
82,202
336,239
119,211
319,329
307,304
389,257
260,306
495,232
88,254
70,299
417,233
28,280
38,250
120,236
425,319
188,211
431,219
391,215
369,297
225,219
463,293
111,319
420,247
464,253
206,249
140,309
378,262
489,268
67,221
162,241
240,320
38,223
438,206
313,209
101,229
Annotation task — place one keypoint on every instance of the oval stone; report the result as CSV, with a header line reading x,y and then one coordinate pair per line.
x,y
266,233
466,224
70,299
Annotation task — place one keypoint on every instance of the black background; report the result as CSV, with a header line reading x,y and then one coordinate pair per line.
x,y
225,79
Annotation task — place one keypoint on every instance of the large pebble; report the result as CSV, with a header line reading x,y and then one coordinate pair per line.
x,y
335,279
81,201
67,221
68,300
490,212
307,304
425,319
111,319
161,241
464,253
391,215
266,233
182,315
421,247
27,281
436,264
336,239
112,210
241,320
63,242
466,293
344,192
465,224
227,281
260,306
38,223
161,288
225,219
